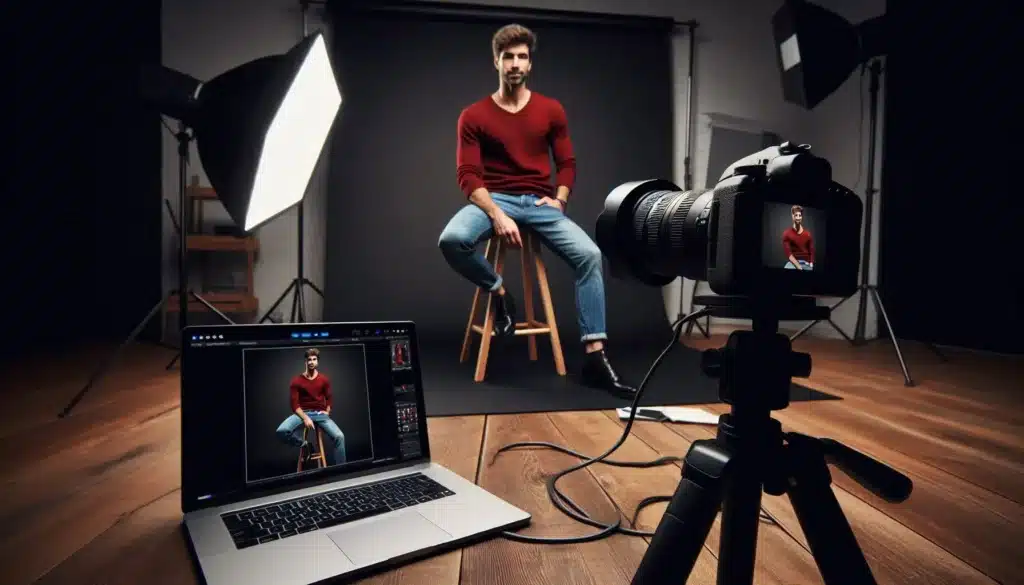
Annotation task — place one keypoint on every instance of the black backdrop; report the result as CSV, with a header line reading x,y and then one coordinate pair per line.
x,y
393,184
950,268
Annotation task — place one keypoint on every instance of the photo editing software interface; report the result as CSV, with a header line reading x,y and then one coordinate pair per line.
x,y
793,237
268,406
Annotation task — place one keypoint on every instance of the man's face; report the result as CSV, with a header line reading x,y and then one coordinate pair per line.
x,y
514,65
798,217
312,362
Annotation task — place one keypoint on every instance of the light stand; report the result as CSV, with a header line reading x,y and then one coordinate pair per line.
x,y
298,314
751,453
184,140
865,288
688,164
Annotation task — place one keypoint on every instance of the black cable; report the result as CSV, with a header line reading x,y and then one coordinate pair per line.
x,y
565,504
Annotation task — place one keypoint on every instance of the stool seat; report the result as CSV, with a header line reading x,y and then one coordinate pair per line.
x,y
533,269
320,458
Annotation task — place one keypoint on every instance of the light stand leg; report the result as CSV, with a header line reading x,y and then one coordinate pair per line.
x,y
907,381
689,325
112,358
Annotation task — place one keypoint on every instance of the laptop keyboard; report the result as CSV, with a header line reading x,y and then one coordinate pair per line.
x,y
284,519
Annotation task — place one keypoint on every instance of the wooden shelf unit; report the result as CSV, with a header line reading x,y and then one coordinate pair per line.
x,y
242,301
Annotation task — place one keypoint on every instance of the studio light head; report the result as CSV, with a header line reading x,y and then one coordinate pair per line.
x,y
776,224
817,49
259,128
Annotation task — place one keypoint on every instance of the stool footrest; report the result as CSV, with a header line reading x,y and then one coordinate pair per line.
x,y
535,328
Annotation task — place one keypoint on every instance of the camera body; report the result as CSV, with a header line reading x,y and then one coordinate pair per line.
x,y
779,225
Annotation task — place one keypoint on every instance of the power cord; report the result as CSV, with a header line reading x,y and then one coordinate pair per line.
x,y
565,504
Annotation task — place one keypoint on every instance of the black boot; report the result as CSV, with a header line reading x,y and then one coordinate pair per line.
x,y
504,314
598,373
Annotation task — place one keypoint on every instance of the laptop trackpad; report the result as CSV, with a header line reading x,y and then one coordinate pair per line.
x,y
388,537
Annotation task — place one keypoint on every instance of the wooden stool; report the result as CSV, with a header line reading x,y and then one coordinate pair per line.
x,y
320,458
532,266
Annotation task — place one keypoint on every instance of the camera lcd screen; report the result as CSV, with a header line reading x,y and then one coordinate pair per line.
x,y
793,237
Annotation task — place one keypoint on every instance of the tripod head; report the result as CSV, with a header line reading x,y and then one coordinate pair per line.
x,y
751,454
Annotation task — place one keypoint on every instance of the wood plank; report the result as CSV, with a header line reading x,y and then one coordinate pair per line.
x,y
518,477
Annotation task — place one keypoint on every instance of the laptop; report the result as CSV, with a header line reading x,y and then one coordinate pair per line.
x,y
305,456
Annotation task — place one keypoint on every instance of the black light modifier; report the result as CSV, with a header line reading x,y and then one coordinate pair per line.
x,y
817,49
259,128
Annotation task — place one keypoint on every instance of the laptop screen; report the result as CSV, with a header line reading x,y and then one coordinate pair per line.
x,y
270,407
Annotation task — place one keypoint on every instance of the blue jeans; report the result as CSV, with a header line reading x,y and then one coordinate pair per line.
x,y
470,226
803,264
290,432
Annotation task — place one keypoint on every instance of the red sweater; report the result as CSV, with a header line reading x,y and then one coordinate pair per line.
x,y
511,153
309,394
800,246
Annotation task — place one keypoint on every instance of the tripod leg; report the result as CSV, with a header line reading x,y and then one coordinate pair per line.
x,y
112,358
209,306
832,542
173,361
683,529
741,514
295,301
314,287
279,300
300,294
892,335
807,327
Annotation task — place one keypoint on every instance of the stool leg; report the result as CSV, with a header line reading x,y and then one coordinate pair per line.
x,y
467,340
488,328
531,319
320,440
549,308
299,466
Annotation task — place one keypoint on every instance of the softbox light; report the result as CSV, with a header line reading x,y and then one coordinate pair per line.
x,y
259,128
816,50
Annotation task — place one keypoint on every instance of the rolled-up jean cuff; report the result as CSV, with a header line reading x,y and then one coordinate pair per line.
x,y
497,284
594,337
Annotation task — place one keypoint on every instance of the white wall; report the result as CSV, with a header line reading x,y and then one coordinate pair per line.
x,y
204,39
735,75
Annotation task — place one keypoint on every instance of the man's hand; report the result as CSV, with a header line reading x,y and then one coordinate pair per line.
x,y
551,202
308,422
506,229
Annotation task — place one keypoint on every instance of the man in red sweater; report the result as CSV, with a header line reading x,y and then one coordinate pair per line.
x,y
311,401
798,243
505,145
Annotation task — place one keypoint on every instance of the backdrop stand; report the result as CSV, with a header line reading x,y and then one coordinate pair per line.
x,y
298,284
184,140
865,288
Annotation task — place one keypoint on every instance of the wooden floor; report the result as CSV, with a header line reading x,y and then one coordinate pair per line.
x,y
93,499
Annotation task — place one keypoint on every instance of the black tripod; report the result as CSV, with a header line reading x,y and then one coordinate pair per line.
x,y
751,453
184,140
865,289
298,283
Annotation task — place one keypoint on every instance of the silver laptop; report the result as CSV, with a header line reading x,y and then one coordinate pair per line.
x,y
305,456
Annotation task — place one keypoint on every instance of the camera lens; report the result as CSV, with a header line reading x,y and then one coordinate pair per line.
x,y
653,232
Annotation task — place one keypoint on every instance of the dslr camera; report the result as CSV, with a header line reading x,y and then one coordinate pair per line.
x,y
775,225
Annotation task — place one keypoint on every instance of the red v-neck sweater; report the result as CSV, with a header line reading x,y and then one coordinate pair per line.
x,y
511,153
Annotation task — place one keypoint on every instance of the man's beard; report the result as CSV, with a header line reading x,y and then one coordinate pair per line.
x,y
515,79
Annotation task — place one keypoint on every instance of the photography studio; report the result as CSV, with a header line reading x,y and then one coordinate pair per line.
x,y
666,292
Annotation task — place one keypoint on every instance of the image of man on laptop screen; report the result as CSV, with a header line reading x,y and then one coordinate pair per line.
x,y
305,421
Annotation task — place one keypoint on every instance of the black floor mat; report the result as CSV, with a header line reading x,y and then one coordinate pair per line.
x,y
514,384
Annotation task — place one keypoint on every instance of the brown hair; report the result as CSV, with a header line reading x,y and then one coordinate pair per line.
x,y
795,209
312,352
511,35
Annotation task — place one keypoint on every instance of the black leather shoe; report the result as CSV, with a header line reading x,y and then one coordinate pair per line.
x,y
598,373
504,315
